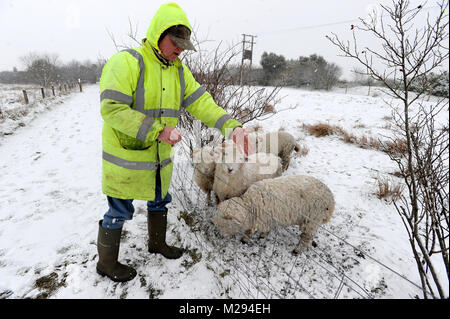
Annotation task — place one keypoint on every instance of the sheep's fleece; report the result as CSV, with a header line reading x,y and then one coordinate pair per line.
x,y
233,179
279,143
283,201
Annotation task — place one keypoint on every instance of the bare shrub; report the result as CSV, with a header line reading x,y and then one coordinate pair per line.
x,y
218,72
412,48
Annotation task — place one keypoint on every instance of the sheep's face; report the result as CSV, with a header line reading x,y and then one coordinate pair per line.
x,y
231,217
230,159
204,160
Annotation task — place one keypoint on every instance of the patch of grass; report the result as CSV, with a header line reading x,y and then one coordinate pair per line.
x,y
320,129
49,284
153,293
194,255
388,189
395,147
188,218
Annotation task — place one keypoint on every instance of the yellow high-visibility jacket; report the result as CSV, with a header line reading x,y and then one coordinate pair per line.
x,y
139,96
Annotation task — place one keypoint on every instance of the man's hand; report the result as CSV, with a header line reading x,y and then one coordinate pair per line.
x,y
170,135
240,138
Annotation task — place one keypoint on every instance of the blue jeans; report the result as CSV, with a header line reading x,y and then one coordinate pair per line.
x,y
121,210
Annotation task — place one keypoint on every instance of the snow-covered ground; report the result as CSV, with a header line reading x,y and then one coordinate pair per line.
x,y
51,200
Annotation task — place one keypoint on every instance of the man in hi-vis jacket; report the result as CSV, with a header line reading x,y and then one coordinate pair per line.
x,y
143,91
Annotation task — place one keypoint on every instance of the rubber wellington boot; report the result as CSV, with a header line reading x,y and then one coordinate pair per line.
x,y
108,243
157,223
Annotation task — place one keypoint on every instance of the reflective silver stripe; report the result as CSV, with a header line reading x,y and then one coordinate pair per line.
x,y
129,164
182,85
170,113
162,113
220,122
145,128
116,96
166,162
140,90
194,96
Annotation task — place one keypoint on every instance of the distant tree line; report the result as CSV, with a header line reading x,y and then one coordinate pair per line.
x,y
46,69
312,71
316,73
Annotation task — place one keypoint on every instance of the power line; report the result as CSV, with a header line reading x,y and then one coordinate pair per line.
x,y
315,26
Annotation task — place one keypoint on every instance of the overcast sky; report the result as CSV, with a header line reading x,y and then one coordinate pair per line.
x,y
78,29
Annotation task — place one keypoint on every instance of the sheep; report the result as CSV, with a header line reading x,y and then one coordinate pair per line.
x,y
235,172
204,168
283,201
279,143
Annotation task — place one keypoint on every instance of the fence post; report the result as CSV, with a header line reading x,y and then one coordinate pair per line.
x,y
53,90
43,93
25,96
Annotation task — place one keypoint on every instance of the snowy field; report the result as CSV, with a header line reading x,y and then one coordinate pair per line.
x,y
51,200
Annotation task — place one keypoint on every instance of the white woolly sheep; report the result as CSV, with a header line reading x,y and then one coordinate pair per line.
x,y
204,168
279,143
283,201
235,172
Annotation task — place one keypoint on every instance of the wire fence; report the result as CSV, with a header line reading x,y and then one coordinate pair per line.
x,y
332,267
27,94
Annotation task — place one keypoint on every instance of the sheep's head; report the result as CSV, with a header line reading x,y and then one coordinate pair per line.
x,y
230,158
204,160
231,217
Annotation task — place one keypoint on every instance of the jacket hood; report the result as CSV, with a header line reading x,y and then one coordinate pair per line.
x,y
168,15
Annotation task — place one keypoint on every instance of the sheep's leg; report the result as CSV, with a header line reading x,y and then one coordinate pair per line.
x,y
285,161
308,230
246,238
302,244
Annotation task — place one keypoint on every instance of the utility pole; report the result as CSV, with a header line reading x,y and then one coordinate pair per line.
x,y
247,52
